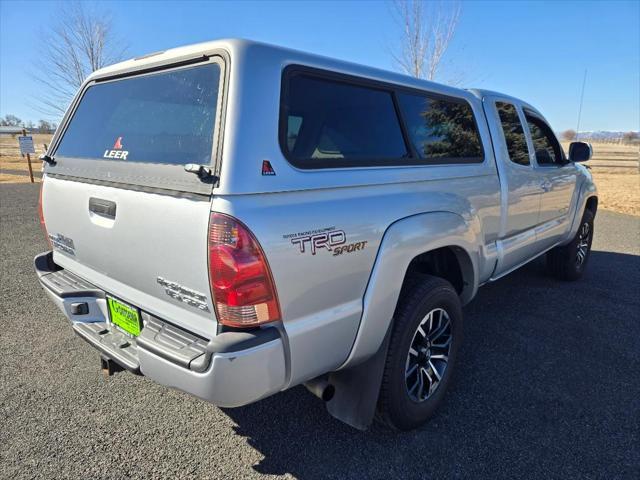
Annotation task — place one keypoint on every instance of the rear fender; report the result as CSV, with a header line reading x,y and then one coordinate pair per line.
x,y
402,242
358,381
587,191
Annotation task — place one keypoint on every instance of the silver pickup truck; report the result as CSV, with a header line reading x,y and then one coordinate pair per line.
x,y
233,219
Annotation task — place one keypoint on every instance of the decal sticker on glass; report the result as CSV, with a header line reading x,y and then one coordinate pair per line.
x,y
117,151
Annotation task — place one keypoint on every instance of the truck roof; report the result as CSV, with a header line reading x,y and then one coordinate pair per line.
x,y
481,93
238,48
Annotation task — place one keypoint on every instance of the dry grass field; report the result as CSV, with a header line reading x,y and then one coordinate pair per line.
x,y
616,171
11,161
615,168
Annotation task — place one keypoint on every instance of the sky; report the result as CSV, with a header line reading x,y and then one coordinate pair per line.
x,y
537,51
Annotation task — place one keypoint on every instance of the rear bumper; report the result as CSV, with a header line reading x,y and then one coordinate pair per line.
x,y
230,370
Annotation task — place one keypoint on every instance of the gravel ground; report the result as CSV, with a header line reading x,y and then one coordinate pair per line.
x,y
548,385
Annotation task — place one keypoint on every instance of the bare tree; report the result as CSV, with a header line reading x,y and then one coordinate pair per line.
x,y
569,135
631,137
78,42
44,126
10,120
427,31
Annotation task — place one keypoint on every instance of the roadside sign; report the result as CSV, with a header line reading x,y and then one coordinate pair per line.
x,y
26,145
27,148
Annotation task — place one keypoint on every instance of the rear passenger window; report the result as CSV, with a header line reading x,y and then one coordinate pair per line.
x,y
545,144
513,133
334,124
441,130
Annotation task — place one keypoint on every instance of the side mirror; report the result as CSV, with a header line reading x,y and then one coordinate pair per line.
x,y
580,152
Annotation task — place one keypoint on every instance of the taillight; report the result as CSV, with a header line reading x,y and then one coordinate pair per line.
x,y
41,215
241,284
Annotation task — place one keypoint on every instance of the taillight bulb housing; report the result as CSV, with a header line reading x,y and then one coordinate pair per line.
x,y
41,216
241,283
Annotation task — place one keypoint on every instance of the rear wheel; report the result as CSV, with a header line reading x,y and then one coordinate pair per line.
x,y
426,334
569,261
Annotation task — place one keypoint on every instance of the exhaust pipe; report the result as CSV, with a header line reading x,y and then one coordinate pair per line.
x,y
321,389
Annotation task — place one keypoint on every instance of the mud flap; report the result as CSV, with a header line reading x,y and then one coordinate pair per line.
x,y
357,389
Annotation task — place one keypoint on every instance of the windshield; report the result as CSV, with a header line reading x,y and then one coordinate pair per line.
x,y
166,117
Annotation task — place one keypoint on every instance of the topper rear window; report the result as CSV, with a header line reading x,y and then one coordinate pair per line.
x,y
166,118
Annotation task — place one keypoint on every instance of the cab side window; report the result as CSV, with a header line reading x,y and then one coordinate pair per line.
x,y
442,130
545,144
513,133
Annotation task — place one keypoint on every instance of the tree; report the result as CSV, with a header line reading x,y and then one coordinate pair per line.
x,y
452,130
78,42
427,31
11,121
44,126
569,135
631,137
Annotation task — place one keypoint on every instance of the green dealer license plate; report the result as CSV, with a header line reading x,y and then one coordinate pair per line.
x,y
124,316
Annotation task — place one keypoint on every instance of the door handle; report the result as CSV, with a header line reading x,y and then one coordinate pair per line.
x,y
103,207
546,185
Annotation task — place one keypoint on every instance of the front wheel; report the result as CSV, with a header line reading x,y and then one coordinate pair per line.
x,y
426,335
568,262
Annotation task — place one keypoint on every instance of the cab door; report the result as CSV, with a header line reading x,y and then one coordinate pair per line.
x,y
557,178
519,184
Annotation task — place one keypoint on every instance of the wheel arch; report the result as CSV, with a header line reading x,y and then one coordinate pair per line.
x,y
451,262
443,244
588,200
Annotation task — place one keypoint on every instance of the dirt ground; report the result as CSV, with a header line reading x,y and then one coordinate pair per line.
x,y
618,191
615,168
616,172
10,151
11,160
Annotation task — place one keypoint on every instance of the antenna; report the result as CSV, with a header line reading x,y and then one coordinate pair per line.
x,y
584,81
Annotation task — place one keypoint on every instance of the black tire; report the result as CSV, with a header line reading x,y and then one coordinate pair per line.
x,y
564,262
421,295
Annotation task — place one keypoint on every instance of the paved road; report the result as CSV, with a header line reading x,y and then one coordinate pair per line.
x,y
548,386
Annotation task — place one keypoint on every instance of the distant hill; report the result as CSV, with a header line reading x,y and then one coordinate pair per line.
x,y
601,135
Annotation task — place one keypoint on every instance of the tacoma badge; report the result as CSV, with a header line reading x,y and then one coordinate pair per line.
x,y
184,294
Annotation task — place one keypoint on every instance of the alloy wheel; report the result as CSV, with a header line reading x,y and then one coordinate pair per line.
x,y
428,355
583,244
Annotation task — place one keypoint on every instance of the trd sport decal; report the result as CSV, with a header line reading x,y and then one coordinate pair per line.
x,y
117,151
330,239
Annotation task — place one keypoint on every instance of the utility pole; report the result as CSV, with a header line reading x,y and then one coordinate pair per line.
x,y
584,81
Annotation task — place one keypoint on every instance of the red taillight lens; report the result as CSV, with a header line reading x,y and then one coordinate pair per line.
x,y
41,215
240,278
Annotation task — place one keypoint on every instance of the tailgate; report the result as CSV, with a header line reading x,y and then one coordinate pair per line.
x,y
152,253
120,208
